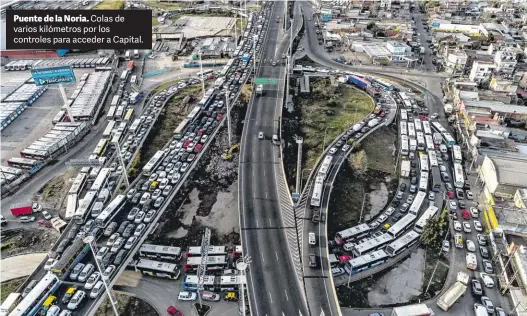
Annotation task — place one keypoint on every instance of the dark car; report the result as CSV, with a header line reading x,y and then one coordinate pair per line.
x,y
107,259
413,173
396,203
413,164
73,232
62,246
129,230
119,257
413,180
402,187
122,227
396,217
484,251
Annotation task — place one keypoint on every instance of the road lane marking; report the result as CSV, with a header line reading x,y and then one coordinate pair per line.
x,y
261,254
266,195
270,223
286,296
256,223
276,253
271,297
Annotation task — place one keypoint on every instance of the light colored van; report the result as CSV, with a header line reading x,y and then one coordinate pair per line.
x,y
76,300
276,141
442,148
53,311
85,273
312,239
96,289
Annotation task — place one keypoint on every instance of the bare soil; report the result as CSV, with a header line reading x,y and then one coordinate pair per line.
x,y
9,287
22,241
126,305
52,196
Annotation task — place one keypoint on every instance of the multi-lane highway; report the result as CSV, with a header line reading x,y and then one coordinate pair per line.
x,y
273,286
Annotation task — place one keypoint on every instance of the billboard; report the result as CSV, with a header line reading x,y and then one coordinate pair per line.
x,y
53,75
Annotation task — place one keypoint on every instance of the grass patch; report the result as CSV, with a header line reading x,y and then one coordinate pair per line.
x,y
241,24
110,5
163,5
380,149
53,187
247,91
163,86
9,287
331,111
155,22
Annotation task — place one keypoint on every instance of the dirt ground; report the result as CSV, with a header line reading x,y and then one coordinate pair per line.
x,y
9,287
20,241
381,150
52,196
126,305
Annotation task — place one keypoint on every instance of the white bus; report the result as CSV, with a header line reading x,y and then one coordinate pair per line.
x,y
404,115
58,118
403,128
352,233
449,140
423,163
417,125
214,263
102,180
10,303
324,167
423,182
411,130
371,245
417,203
115,103
365,262
205,74
404,145
36,297
421,145
124,75
160,252
317,191
101,147
439,127
157,269
231,282
459,177
432,159
456,154
212,251
426,128
136,125
85,205
78,183
71,206
111,110
110,211
402,225
107,134
153,163
402,243
429,143
430,212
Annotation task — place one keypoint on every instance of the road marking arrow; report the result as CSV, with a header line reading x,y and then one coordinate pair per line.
x,y
322,313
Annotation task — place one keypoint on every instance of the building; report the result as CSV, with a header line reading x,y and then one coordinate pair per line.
x,y
495,109
503,176
455,61
481,70
398,51
505,61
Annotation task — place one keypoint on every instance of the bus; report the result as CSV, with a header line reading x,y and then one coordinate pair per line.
x,y
71,206
213,263
231,282
111,110
421,145
449,140
124,75
78,183
417,203
317,191
85,205
411,130
119,113
405,242
352,233
404,115
22,163
102,180
456,154
157,269
417,125
365,262
180,130
324,168
71,256
459,178
378,83
110,211
212,251
430,212
160,252
115,103
136,125
432,159
10,303
59,117
206,74
101,147
435,179
207,281
404,145
107,134
129,115
423,181
371,245
153,163
127,55
430,146
403,128
423,162
439,128
36,297
402,225
426,128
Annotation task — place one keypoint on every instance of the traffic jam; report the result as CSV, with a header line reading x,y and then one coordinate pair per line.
x,y
119,224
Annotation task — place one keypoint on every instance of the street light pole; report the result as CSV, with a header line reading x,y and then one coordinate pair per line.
x,y
302,178
241,265
202,75
121,161
324,142
228,118
88,240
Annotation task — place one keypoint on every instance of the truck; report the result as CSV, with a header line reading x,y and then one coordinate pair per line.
x,y
358,81
412,310
26,210
448,108
58,224
457,290
377,109
259,89
131,65
438,138
405,168
135,97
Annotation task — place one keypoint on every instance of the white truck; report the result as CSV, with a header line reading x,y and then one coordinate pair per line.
x,y
412,310
405,168
457,290
259,89
438,138
448,108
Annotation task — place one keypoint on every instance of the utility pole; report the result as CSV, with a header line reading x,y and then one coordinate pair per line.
x,y
121,161
202,75
228,118
205,242
299,141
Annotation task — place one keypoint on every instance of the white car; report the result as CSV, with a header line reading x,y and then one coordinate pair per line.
x,y
186,296
130,242
431,196
260,135
112,240
139,217
474,212
94,277
50,264
333,150
345,147
452,205
469,195
457,226
466,227
46,214
139,229
477,226
54,310
389,211
100,254
108,271
76,299
130,194
470,245
434,116
144,198
446,246
149,216
487,280
96,289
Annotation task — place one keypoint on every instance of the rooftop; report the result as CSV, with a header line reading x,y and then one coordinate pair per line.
x,y
497,106
511,171
377,51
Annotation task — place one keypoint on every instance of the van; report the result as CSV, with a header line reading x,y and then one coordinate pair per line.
x,y
29,287
442,148
312,239
96,289
86,272
276,140
53,311
77,299
76,271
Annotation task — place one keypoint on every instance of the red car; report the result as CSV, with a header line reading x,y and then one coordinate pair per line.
x,y
171,310
465,214
422,118
382,114
219,117
198,148
200,132
344,259
187,142
450,194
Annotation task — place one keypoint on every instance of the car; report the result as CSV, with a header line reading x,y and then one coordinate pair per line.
x,y
470,195
470,245
153,177
50,263
402,187
139,229
184,167
434,116
431,196
477,226
405,207
172,311
442,168
452,205
128,231
76,300
118,244
122,227
46,215
446,246
474,212
482,240
144,199
488,304
94,278
337,271
136,197
499,311
166,190
210,296
186,296
130,242
62,246
413,188
465,214
97,289
86,272
487,266
139,217
333,150
390,210
461,204
110,229
460,194
484,251
157,193
457,226
345,147
119,257
260,135
410,199
159,202
102,251
476,287
74,274
466,227
413,180
399,195
133,213
27,219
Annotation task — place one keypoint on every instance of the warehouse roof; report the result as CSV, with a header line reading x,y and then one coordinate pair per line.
x,y
511,171
497,106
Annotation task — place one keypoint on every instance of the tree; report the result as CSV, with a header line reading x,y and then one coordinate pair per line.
x,y
433,231
359,162
372,26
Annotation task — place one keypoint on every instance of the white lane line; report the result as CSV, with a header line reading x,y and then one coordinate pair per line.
x,y
266,195
270,222
286,296
276,253
261,254
271,297
256,223
264,173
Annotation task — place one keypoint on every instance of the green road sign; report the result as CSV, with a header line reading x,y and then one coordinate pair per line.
x,y
266,81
